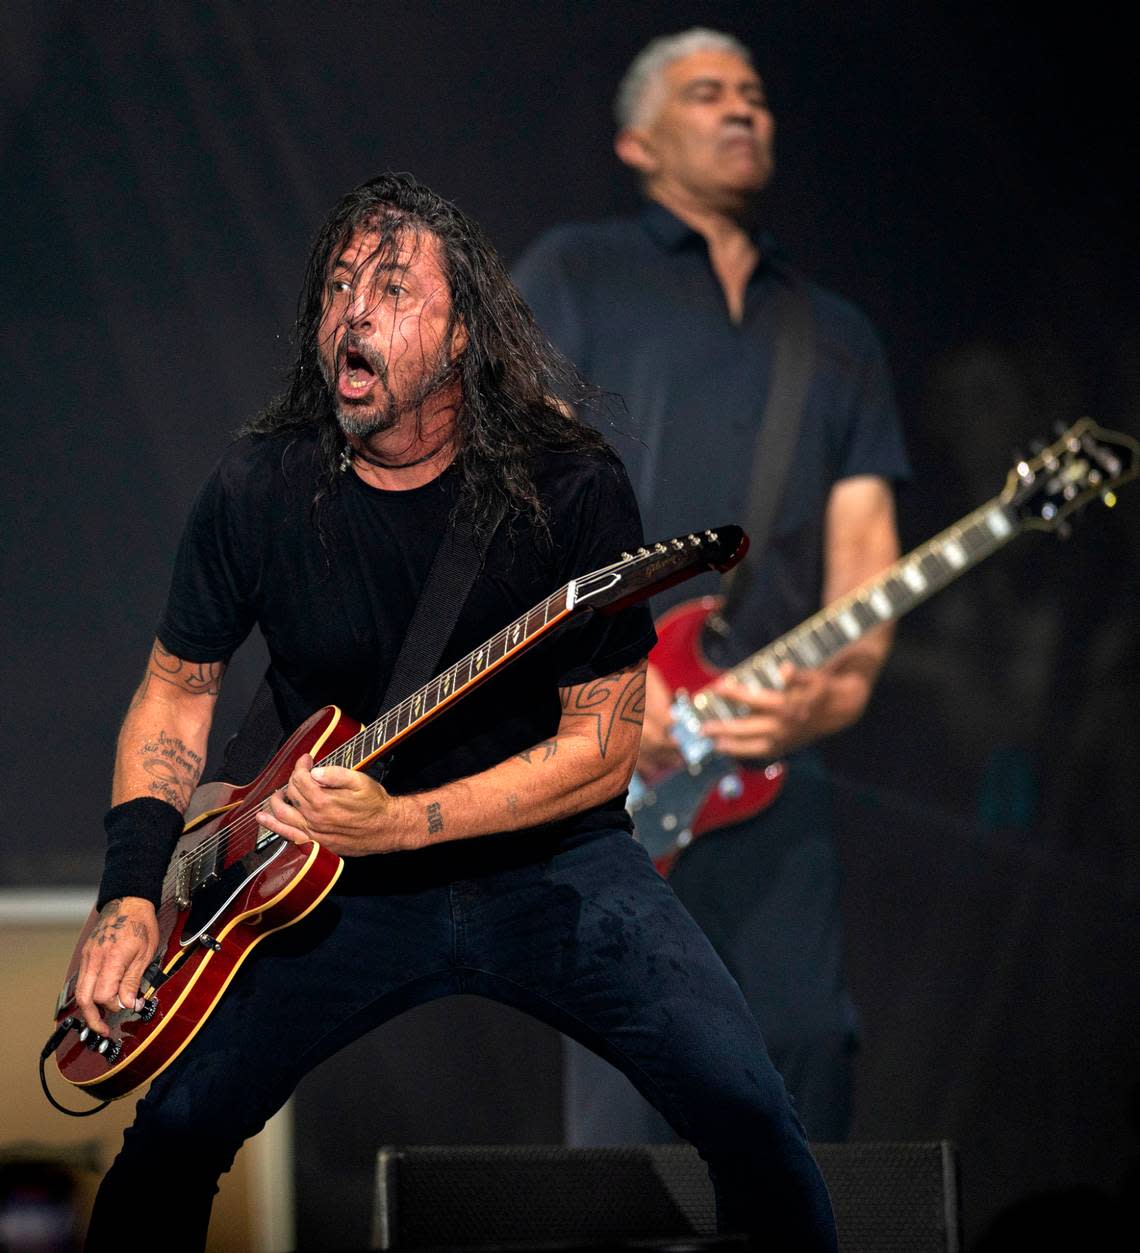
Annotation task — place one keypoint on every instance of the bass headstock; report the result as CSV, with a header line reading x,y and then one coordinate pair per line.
x,y
1084,462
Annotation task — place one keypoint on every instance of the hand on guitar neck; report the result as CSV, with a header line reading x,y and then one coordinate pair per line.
x,y
765,724
809,705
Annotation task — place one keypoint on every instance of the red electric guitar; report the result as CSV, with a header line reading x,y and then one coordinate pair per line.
x,y
232,882
672,809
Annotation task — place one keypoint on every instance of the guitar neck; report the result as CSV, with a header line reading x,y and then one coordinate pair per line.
x,y
382,735
889,595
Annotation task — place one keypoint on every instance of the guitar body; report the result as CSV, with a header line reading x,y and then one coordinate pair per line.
x,y
232,882
673,808
680,805
261,884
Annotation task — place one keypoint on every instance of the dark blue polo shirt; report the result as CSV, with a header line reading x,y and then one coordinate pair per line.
x,y
635,304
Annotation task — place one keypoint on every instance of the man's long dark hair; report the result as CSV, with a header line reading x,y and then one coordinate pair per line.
x,y
515,384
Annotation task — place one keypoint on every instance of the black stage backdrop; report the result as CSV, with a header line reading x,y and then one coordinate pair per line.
x,y
965,175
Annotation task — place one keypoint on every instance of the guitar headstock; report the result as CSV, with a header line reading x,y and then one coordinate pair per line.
x,y
1084,462
654,567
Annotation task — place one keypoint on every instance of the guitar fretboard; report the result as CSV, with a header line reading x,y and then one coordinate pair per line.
x,y
424,702
888,596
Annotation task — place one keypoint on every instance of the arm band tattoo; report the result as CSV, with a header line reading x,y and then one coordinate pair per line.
x,y
197,677
608,701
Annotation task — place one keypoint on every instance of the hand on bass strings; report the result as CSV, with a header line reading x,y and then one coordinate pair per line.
x,y
346,811
777,722
114,956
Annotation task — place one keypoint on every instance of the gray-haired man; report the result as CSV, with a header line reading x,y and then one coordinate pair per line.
x,y
677,310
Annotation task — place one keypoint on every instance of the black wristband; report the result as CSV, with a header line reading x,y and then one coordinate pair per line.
x,y
141,835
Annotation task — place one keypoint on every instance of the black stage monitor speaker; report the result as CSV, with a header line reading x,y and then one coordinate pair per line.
x,y
888,1198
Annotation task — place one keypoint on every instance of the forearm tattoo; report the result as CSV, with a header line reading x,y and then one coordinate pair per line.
x,y
434,818
617,698
540,752
111,925
174,769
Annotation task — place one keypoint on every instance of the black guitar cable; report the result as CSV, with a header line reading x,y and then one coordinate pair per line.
x,y
48,1049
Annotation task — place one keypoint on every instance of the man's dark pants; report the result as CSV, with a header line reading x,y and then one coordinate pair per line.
x,y
588,938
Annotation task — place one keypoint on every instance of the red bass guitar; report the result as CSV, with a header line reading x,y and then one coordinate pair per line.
x,y
711,791
232,882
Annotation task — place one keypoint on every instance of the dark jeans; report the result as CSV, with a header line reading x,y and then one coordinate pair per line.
x,y
766,893
589,939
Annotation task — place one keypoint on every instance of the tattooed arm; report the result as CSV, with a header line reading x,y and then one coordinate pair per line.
x,y
161,750
587,761
162,743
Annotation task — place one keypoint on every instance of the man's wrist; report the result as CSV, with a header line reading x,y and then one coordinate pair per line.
x,y
141,835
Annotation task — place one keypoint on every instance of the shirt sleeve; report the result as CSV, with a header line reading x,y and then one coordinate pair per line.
x,y
873,442
209,608
541,276
597,521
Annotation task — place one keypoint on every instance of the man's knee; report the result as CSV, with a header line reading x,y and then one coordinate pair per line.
x,y
200,1111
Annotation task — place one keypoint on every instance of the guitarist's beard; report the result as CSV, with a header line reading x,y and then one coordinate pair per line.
x,y
361,423
377,416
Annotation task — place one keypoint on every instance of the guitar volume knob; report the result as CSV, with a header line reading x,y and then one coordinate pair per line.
x,y
730,787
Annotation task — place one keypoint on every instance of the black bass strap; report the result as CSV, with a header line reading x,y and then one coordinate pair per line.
x,y
792,364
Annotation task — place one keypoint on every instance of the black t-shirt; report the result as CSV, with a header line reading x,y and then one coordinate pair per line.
x,y
333,591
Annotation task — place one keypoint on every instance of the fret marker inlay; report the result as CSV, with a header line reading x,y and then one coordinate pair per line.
x,y
998,523
773,672
880,604
808,651
954,553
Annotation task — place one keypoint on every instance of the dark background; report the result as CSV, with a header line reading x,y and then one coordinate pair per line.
x,y
966,175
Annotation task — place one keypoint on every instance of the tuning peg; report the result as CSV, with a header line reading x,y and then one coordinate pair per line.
x,y
1021,462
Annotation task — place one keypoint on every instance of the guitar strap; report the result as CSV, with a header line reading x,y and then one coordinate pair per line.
x,y
792,363
453,571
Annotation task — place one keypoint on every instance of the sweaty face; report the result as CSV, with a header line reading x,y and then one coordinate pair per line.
x,y
711,131
384,341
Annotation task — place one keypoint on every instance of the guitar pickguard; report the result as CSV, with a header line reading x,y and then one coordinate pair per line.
x,y
212,899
